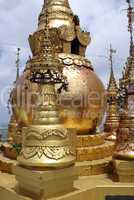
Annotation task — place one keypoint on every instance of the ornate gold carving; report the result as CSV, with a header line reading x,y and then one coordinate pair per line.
x,y
90,140
97,152
83,37
71,59
67,33
44,134
51,152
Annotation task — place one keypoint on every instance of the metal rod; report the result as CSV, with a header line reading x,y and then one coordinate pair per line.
x,y
18,63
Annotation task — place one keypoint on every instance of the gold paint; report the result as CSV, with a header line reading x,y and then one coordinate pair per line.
x,y
46,143
84,85
90,140
59,13
97,152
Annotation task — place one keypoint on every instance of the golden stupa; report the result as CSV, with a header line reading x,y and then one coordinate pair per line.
x,y
112,119
13,125
82,106
50,103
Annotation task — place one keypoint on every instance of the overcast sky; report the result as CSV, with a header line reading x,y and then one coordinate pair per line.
x,y
104,19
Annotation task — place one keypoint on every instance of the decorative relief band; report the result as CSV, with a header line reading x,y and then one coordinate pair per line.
x,y
51,152
44,134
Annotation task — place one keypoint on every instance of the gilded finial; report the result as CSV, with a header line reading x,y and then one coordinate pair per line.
x,y
112,51
17,63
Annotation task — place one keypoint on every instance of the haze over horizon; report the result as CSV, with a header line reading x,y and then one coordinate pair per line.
x,y
105,20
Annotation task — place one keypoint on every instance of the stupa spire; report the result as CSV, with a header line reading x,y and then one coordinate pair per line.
x,y
128,77
112,87
64,3
48,50
59,13
112,120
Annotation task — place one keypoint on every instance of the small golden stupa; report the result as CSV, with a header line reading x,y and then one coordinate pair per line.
x,y
46,142
13,125
112,119
48,150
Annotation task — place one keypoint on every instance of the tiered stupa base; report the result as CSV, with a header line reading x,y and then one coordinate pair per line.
x,y
93,154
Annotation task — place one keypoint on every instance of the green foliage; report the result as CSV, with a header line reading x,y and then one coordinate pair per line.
x,y
17,148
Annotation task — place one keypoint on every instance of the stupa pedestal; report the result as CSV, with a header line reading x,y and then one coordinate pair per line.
x,y
45,184
93,147
125,171
94,154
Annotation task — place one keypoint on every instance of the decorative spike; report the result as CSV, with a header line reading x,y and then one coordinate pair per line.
x,y
17,63
112,87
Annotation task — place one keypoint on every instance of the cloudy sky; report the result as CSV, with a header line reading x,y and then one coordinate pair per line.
x,y
106,20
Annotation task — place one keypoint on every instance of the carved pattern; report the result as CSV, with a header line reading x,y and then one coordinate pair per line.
x,y
51,152
125,147
125,140
67,33
80,61
36,41
83,37
44,134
